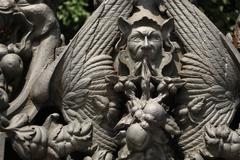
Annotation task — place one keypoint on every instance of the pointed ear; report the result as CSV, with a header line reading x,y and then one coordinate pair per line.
x,y
124,26
167,28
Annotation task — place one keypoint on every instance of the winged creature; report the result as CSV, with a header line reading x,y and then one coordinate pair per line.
x,y
78,84
75,83
210,68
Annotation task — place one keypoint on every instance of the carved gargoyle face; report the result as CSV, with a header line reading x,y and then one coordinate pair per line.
x,y
145,41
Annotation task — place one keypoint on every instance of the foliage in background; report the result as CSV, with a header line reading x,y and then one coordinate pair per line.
x,y
223,13
72,15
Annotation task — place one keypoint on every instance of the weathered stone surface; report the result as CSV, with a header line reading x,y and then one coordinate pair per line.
x,y
141,80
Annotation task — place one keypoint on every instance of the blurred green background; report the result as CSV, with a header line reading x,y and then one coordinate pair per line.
x,y
222,12
73,13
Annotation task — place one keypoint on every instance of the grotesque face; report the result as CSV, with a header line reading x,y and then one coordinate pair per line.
x,y
144,42
145,38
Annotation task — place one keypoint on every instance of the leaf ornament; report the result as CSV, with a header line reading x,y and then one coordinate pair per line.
x,y
27,140
65,139
210,70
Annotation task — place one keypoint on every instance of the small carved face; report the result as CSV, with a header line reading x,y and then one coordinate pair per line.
x,y
144,42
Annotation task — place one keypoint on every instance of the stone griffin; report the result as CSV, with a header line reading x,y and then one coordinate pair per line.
x,y
149,80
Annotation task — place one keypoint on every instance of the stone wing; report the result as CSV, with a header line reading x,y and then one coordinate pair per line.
x,y
210,70
78,84
79,78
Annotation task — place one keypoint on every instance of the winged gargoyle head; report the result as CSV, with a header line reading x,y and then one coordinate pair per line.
x,y
145,40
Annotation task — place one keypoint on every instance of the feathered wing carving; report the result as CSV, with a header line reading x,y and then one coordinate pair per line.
x,y
78,83
209,71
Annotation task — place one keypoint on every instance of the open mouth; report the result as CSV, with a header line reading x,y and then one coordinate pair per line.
x,y
5,29
14,28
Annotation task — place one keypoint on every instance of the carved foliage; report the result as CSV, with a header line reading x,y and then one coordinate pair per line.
x,y
129,102
50,141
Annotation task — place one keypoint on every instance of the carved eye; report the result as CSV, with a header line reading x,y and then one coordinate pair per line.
x,y
154,37
137,38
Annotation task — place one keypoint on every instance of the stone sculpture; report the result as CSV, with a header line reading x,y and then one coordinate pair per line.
x,y
149,80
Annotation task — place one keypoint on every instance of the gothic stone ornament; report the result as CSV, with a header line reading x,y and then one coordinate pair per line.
x,y
168,90
29,36
71,84
147,126
210,68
